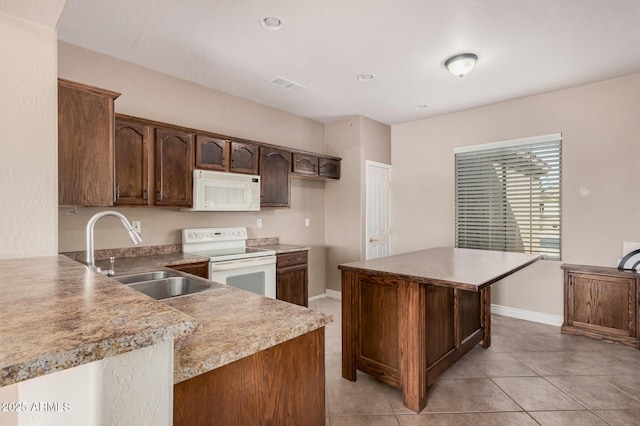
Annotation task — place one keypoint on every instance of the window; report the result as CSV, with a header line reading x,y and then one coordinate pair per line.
x,y
508,196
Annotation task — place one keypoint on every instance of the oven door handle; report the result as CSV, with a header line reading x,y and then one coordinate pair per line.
x,y
244,263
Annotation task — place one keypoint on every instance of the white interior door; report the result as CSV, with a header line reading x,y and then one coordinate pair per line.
x,y
378,181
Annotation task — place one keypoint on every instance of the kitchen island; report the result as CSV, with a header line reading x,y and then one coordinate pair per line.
x,y
407,318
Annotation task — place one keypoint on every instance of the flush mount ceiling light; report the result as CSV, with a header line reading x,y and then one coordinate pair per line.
x,y
462,64
365,77
271,23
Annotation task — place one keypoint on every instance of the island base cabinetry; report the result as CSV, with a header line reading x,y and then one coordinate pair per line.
x,y
407,333
282,385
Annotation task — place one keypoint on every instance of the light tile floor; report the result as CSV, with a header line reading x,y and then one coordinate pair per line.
x,y
532,374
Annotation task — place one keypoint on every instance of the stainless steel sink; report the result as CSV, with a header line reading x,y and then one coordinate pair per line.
x,y
163,284
170,287
145,276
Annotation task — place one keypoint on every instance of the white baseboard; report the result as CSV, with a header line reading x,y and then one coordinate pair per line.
x,y
320,296
334,294
522,314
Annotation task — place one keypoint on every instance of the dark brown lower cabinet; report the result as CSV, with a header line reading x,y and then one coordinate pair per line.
x,y
601,303
292,282
283,385
200,269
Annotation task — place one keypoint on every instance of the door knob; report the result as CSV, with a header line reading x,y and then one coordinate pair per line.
x,y
371,239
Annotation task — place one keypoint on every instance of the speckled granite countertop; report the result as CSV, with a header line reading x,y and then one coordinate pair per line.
x,y
57,314
62,315
447,266
236,324
283,248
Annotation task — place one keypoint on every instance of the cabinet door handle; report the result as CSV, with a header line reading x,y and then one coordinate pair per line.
x,y
117,191
145,195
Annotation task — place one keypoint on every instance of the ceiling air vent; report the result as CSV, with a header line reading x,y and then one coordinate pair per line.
x,y
287,84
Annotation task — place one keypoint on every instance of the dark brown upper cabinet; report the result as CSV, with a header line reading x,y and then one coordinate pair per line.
x,y
131,153
85,145
244,158
329,168
212,153
173,167
305,164
275,177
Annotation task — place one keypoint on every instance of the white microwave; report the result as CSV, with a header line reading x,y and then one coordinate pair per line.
x,y
228,192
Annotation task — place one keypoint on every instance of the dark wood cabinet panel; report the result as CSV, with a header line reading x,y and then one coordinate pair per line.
x,y
275,177
85,145
601,303
305,164
282,385
173,167
244,158
407,333
131,156
292,278
200,269
329,168
212,153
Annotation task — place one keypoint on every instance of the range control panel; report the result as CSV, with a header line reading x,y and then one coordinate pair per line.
x,y
204,235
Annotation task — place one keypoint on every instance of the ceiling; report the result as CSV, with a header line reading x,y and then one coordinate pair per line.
x,y
524,47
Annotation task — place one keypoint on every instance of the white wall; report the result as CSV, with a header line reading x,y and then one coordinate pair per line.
x,y
600,170
135,388
355,139
29,145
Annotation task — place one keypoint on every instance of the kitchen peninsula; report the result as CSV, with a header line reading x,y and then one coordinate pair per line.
x,y
60,315
407,318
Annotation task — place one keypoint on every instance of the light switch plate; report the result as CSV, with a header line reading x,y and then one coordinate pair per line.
x,y
306,222
259,223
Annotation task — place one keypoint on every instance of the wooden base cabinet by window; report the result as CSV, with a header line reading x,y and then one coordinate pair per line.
x,y
292,282
601,303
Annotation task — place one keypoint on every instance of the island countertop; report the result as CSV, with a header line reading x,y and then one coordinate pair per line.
x,y
58,314
467,269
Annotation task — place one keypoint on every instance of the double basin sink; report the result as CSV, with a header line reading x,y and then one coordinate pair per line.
x,y
163,284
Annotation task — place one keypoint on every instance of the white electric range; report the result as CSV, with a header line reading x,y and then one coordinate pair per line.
x,y
231,262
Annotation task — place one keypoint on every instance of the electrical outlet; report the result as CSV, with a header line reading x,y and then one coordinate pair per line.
x,y
135,224
307,223
259,223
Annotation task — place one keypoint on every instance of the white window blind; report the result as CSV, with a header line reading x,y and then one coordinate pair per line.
x,y
508,196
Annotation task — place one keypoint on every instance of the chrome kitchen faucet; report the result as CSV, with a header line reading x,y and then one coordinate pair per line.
x,y
135,237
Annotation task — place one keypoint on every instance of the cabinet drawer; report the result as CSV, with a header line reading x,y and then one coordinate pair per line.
x,y
291,259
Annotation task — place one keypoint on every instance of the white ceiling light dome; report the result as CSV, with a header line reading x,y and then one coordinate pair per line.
x,y
461,64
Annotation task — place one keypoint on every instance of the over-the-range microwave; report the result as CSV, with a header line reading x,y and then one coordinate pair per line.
x,y
228,192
